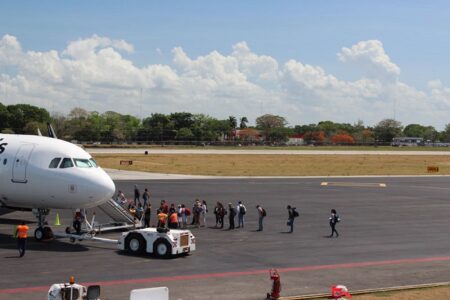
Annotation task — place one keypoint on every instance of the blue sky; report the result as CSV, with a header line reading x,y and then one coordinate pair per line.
x,y
415,35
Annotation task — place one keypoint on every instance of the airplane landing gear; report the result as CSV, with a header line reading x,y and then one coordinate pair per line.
x,y
43,232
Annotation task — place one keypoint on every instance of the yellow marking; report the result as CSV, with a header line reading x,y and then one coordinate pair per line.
x,y
354,184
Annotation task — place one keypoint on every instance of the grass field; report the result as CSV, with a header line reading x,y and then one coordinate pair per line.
x,y
278,165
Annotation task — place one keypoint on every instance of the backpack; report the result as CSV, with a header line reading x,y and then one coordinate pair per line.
x,y
295,213
242,210
187,212
337,218
264,212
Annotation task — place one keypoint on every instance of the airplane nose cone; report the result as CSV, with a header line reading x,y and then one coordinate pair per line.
x,y
104,189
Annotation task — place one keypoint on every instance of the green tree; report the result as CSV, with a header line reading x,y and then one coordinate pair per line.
x,y
243,123
4,117
21,114
269,122
184,134
414,130
387,129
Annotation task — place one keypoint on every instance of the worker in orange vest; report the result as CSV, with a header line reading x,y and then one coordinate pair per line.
x,y
173,220
162,217
21,233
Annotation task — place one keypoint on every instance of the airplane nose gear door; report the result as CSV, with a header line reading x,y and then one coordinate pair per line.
x,y
19,171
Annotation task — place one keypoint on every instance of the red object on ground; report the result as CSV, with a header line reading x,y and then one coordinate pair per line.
x,y
276,286
339,291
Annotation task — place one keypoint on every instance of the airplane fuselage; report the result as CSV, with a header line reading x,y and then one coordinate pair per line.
x,y
42,172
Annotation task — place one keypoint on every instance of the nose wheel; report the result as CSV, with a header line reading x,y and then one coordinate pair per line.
x,y
43,232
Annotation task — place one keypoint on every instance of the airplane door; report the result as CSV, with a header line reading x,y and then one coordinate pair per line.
x,y
19,171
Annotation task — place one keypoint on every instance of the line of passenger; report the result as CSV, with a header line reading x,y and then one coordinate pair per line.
x,y
177,216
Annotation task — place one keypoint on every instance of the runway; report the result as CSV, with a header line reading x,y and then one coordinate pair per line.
x,y
247,151
392,235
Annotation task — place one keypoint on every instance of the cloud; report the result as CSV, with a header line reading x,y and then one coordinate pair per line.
x,y
93,73
370,56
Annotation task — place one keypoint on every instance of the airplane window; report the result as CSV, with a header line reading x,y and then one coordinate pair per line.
x,y
82,163
54,163
66,163
5,161
93,162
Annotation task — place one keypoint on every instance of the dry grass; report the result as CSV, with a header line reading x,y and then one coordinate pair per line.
x,y
277,165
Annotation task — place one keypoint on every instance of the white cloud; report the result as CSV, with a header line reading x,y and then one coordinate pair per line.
x,y
92,73
370,56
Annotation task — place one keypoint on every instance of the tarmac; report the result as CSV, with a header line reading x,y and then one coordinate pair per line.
x,y
392,235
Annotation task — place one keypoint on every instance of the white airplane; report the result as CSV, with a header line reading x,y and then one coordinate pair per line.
x,y
40,173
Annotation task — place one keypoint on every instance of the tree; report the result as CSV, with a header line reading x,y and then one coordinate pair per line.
x,y
446,134
243,123
157,127
4,117
181,120
387,129
184,134
233,122
414,130
21,114
342,138
268,122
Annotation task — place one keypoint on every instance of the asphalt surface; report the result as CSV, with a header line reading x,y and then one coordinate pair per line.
x,y
393,235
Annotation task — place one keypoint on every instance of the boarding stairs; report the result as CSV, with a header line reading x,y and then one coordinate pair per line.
x,y
121,218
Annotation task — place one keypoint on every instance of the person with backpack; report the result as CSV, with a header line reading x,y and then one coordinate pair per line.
x,y
241,210
292,214
334,219
261,215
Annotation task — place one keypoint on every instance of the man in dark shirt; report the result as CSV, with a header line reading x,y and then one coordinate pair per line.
x,y
231,215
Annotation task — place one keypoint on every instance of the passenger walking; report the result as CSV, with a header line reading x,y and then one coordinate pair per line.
x,y
231,215
147,215
292,214
203,214
121,198
184,216
137,195
221,212
334,219
146,196
216,213
22,234
139,212
261,215
197,210
241,210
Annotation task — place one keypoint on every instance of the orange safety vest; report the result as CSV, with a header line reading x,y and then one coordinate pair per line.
x,y
162,217
174,218
22,231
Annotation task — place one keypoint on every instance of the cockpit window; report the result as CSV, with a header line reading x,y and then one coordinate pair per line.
x,y
93,162
83,163
66,163
54,163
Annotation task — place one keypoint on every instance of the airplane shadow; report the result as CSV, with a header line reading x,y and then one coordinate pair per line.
x,y
14,221
8,242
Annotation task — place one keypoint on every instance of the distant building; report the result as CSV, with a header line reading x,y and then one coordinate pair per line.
x,y
248,134
407,141
295,140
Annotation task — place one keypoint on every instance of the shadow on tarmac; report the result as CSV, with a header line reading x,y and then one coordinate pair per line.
x,y
14,221
8,242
